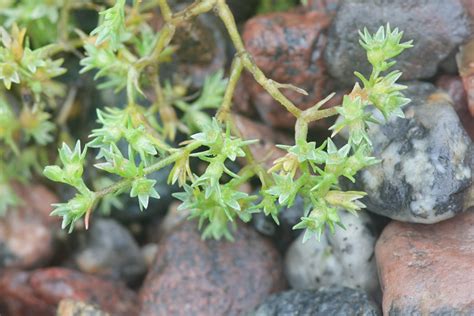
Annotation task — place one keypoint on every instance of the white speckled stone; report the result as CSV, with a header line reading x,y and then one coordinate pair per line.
x,y
345,258
425,173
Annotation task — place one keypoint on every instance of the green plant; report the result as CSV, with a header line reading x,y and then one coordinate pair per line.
x,y
132,141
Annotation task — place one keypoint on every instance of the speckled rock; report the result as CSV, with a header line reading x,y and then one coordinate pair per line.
x,y
110,251
428,269
465,60
40,291
424,174
436,27
288,49
75,308
26,232
453,86
332,301
345,258
195,277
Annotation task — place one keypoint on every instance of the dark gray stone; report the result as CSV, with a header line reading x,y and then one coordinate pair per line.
x,y
435,26
332,301
283,234
425,173
109,250
156,207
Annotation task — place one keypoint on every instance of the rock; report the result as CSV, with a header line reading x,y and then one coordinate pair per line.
x,y
327,6
469,5
168,224
282,234
149,252
453,86
345,258
39,292
75,308
332,301
427,269
110,251
288,48
18,298
265,150
436,27
195,277
26,231
465,60
424,174
55,284
156,207
202,47
243,10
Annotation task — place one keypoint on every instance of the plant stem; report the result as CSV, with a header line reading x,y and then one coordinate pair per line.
x,y
225,14
235,72
153,168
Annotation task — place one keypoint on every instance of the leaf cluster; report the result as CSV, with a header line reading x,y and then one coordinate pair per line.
x,y
135,140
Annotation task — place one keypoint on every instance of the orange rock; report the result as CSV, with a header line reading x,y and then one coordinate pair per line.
x,y
428,269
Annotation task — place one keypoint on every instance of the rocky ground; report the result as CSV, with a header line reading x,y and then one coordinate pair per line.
x,y
411,252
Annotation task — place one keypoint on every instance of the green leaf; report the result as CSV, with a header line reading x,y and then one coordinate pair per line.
x,y
74,210
112,26
144,189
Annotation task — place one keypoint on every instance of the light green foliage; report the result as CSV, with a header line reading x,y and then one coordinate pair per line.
x,y
135,139
25,126
320,169
112,26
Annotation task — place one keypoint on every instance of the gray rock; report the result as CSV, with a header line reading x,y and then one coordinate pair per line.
x,y
109,250
332,301
344,258
424,176
435,26
156,207
283,234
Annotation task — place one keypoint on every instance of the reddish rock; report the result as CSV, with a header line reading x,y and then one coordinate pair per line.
x,y
265,150
18,298
453,86
26,232
195,277
465,60
428,269
288,49
40,291
469,5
